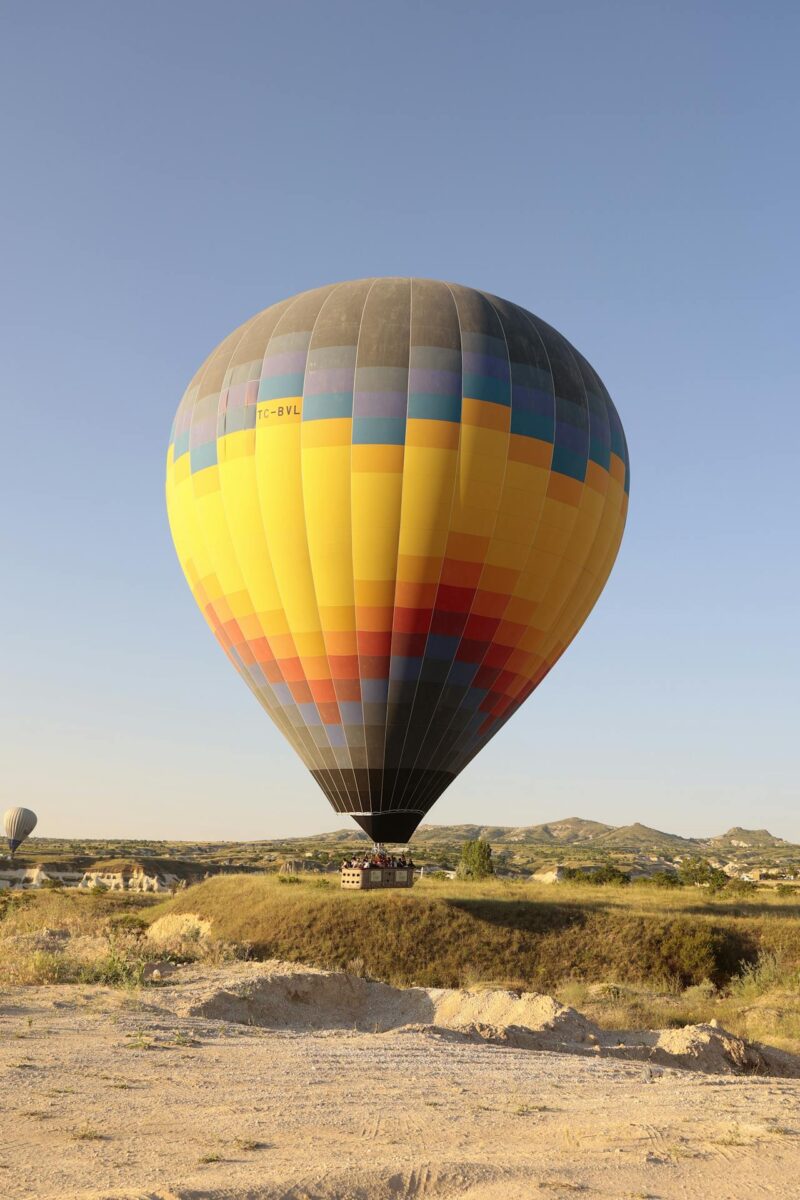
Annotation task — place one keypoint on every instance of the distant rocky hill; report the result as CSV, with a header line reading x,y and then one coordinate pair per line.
x,y
520,851
747,839
571,830
642,839
633,839
587,837
578,833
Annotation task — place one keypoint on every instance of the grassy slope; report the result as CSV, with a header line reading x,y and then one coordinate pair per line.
x,y
447,933
628,957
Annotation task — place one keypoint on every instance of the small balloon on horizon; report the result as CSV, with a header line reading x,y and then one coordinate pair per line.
x,y
18,824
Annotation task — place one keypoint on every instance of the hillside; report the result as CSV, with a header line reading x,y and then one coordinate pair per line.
x,y
446,934
570,830
747,839
573,831
641,839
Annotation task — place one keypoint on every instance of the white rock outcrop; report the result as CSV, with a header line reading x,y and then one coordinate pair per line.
x,y
134,880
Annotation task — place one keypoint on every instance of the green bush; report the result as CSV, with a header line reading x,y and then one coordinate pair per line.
x,y
133,922
476,860
597,876
663,879
122,966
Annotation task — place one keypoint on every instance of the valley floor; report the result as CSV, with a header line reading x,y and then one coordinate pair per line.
x,y
105,1094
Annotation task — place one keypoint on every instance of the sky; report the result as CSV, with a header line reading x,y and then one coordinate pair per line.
x,y
628,171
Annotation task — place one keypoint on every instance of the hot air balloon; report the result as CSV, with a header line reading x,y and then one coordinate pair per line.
x,y
19,823
395,501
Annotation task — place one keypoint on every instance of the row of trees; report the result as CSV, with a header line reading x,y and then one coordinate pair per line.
x,y
476,863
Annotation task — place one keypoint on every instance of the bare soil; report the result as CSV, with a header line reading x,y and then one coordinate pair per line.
x,y
265,1080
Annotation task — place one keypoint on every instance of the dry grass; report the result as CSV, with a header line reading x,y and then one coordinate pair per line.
x,y
49,937
452,933
87,1134
761,1004
627,957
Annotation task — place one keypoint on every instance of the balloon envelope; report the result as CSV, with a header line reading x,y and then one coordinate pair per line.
x,y
395,501
18,823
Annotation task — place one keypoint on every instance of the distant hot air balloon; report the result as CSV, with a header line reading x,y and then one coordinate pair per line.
x,y
395,501
19,823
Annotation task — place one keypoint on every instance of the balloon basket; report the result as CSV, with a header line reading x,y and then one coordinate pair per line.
x,y
377,870
363,879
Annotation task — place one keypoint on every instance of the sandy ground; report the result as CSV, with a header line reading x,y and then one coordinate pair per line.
x,y
267,1081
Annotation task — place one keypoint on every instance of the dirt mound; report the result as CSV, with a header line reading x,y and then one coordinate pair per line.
x,y
282,996
277,995
457,1008
178,927
708,1048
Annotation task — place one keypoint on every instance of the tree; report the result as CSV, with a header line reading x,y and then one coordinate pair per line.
x,y
476,860
700,872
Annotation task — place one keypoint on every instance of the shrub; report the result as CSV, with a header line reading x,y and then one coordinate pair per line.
x,y
763,976
132,922
120,967
741,887
663,879
693,953
598,875
34,967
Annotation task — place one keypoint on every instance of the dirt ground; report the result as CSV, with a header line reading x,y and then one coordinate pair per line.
x,y
267,1081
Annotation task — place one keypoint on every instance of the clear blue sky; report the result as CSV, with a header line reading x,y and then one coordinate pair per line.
x,y
629,171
